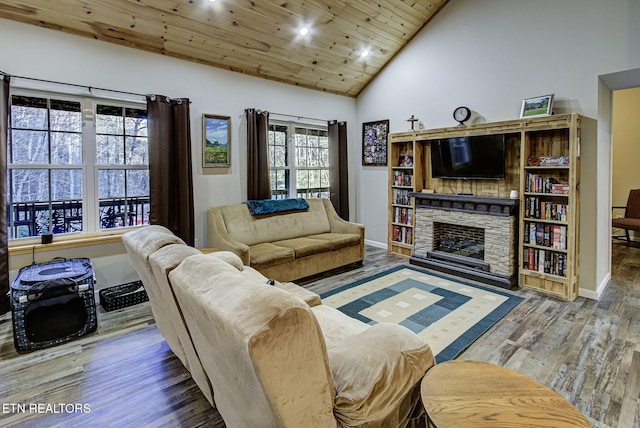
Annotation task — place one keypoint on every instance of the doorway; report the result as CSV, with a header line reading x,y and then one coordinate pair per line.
x,y
625,139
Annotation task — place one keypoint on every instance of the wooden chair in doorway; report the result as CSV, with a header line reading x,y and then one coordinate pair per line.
x,y
631,219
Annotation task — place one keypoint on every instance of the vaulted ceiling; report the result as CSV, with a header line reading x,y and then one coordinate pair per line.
x,y
255,37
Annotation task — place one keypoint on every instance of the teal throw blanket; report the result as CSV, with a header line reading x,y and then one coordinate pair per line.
x,y
271,206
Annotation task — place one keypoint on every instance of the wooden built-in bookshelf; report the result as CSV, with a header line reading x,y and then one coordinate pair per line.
x,y
404,178
548,193
549,216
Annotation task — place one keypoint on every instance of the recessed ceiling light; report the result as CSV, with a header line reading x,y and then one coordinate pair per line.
x,y
304,31
364,54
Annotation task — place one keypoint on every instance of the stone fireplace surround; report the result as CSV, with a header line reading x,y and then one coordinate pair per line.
x,y
496,216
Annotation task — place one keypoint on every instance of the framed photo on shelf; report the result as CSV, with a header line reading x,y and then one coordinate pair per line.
x,y
216,141
405,161
537,106
374,143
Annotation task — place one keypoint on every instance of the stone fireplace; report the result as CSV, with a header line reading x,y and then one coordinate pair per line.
x,y
469,236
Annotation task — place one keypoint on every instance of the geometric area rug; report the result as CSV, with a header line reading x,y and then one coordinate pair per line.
x,y
449,314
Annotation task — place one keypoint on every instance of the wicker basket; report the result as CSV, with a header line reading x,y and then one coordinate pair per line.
x,y
123,295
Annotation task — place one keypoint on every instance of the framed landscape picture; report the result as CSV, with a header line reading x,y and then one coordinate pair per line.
x,y
538,106
216,141
374,143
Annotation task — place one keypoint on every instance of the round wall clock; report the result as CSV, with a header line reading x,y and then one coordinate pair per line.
x,y
462,114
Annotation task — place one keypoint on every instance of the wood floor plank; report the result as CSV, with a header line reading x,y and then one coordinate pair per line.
x,y
628,412
587,351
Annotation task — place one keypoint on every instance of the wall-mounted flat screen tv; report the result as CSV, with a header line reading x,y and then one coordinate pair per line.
x,y
478,157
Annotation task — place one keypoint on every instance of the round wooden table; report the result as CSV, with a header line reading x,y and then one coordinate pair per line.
x,y
463,393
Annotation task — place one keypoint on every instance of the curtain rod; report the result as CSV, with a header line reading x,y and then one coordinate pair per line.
x,y
299,117
72,84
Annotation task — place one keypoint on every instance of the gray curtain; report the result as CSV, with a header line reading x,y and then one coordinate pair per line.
x,y
170,170
4,248
258,185
339,172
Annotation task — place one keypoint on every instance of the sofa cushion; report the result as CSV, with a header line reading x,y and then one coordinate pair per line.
x,y
140,243
228,257
251,273
374,383
268,254
336,326
310,298
303,247
148,239
168,314
250,230
338,240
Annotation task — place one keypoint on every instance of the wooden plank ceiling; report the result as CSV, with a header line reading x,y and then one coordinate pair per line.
x,y
256,37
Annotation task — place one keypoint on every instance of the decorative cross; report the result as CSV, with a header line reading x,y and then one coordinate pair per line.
x,y
413,120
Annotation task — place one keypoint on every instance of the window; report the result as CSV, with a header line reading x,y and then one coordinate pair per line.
x,y
300,151
122,158
75,165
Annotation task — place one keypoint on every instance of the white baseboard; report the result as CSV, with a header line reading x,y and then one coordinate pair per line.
x,y
376,244
595,295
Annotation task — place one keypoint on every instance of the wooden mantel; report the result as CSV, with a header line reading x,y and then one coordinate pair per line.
x,y
466,203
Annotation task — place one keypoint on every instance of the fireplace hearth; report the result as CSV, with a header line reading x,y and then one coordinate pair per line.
x,y
468,236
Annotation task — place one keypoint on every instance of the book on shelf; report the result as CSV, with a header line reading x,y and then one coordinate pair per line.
x,y
402,234
402,178
535,183
532,233
401,197
546,235
403,215
535,208
541,256
556,237
559,189
539,234
544,261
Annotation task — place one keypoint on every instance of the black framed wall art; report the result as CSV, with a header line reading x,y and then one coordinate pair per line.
x,y
374,143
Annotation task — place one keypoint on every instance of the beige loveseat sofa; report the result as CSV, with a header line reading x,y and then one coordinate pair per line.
x,y
274,355
287,246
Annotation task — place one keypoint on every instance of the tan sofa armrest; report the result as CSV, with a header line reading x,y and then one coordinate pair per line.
x,y
310,298
376,374
338,225
218,237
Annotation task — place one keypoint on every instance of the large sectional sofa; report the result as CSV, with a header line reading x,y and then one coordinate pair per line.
x,y
289,245
270,354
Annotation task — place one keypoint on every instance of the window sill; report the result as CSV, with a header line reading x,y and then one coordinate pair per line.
x,y
84,241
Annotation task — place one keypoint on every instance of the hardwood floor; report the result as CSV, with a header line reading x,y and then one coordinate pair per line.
x,y
125,375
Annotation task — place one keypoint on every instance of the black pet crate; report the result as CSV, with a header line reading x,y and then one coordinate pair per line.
x,y
53,303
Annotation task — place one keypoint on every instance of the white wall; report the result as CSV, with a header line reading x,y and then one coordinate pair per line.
x,y
490,55
30,51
